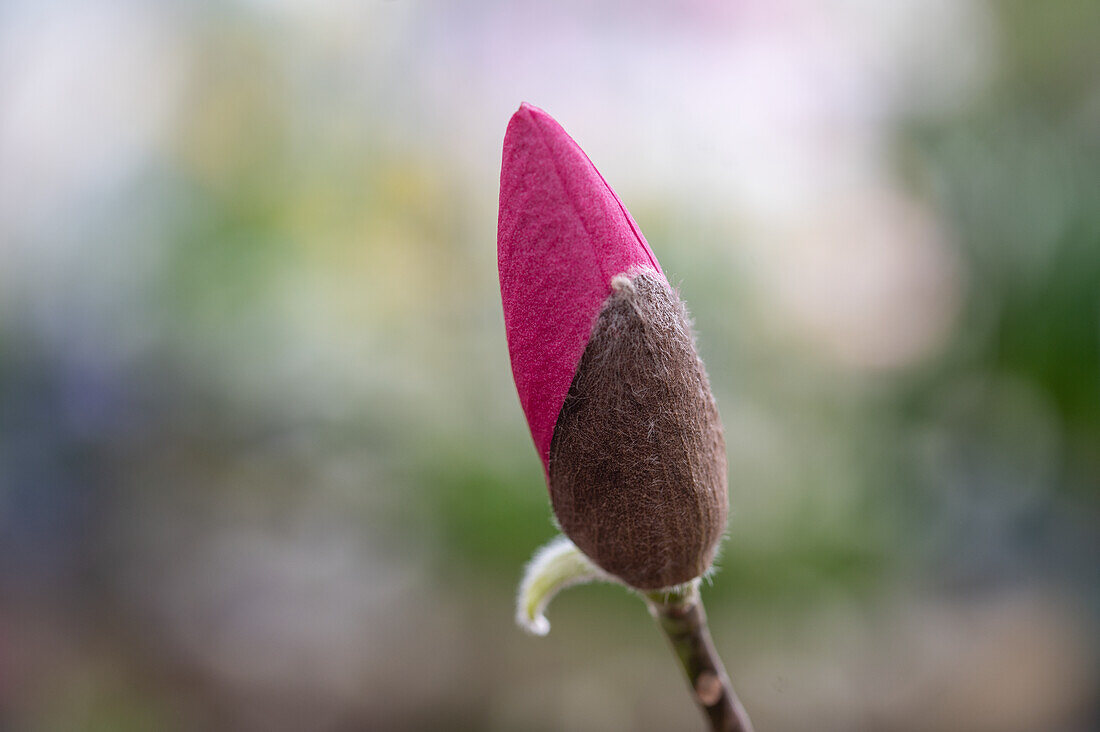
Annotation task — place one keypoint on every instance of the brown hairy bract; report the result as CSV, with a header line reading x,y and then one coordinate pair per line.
x,y
638,461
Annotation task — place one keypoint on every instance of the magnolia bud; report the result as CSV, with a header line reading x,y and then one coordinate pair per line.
x,y
604,360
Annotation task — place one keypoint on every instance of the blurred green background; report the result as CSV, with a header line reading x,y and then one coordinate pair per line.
x,y
262,464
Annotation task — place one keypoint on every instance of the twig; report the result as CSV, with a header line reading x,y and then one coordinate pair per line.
x,y
681,616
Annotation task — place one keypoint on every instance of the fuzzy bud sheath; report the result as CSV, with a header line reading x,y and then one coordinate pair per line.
x,y
604,360
638,461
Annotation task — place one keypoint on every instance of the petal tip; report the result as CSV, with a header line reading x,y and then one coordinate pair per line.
x,y
528,108
528,119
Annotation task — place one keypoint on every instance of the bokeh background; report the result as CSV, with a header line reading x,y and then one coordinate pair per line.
x,y
262,464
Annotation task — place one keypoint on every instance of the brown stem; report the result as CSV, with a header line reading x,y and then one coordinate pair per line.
x,y
681,616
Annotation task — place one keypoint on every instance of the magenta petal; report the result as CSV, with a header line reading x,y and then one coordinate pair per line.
x,y
561,236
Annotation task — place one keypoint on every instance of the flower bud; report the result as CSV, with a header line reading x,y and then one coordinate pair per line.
x,y
602,352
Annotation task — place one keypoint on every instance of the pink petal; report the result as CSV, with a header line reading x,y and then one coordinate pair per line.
x,y
561,236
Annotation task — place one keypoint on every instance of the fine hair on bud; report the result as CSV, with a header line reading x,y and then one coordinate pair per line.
x,y
638,462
